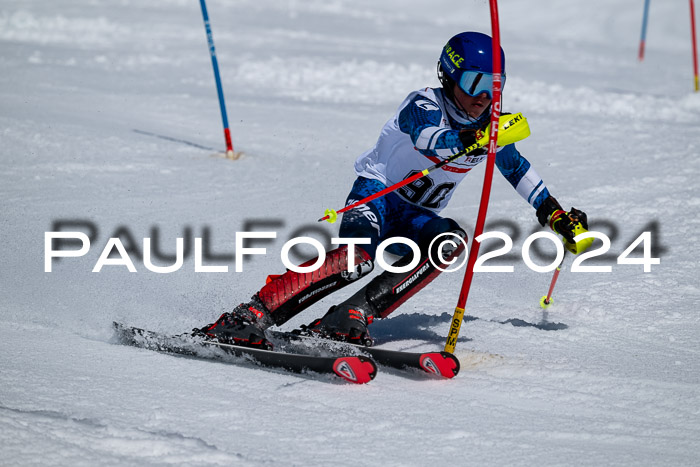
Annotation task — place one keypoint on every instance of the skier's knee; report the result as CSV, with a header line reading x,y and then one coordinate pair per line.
x,y
438,226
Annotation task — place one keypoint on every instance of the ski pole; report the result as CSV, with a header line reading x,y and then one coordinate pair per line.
x,y
217,77
513,127
546,300
458,316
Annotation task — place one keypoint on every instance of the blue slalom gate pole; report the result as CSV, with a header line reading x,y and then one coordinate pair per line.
x,y
642,41
217,77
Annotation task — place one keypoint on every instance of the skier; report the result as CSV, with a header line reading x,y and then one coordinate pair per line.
x,y
430,125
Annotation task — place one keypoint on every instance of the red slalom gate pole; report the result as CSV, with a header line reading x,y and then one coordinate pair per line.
x,y
458,316
695,44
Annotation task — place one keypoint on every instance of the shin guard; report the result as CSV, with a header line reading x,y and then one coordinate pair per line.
x,y
286,295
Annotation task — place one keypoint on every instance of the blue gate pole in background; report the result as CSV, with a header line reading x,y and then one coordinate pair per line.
x,y
642,41
217,77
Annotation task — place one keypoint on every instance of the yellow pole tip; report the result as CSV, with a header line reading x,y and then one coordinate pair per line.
x,y
544,303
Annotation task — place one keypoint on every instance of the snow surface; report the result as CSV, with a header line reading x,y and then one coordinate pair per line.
x,y
109,116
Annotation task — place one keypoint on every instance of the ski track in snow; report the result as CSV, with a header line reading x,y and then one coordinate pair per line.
x,y
107,111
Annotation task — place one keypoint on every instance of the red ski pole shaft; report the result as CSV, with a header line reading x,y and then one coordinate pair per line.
x,y
551,286
547,299
555,276
378,194
331,216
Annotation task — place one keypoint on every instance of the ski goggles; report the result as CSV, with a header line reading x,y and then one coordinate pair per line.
x,y
475,82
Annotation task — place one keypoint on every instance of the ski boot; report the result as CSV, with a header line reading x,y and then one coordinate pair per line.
x,y
244,326
345,322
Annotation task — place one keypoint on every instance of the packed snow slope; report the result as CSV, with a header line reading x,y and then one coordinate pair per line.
x,y
109,123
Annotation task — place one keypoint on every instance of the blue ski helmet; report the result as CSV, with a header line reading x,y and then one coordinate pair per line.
x,y
467,60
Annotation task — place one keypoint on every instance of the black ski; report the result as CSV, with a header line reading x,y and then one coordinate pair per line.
x,y
442,364
357,369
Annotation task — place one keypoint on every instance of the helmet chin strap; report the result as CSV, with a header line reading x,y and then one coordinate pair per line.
x,y
448,89
456,102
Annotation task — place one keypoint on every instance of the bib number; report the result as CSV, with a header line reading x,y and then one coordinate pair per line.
x,y
423,191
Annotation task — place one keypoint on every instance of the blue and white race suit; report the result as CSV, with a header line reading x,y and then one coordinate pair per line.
x,y
424,131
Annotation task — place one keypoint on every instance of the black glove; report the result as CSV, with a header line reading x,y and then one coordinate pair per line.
x,y
469,136
562,222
